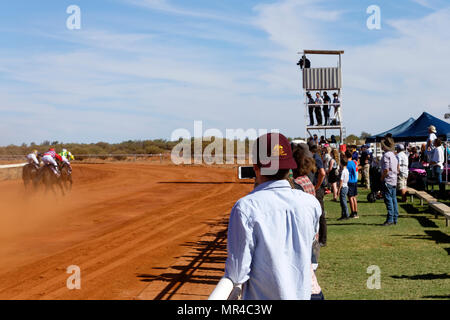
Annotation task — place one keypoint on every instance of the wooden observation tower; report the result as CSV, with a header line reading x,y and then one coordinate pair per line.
x,y
317,81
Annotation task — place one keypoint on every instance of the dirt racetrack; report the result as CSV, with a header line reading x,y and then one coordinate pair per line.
x,y
136,230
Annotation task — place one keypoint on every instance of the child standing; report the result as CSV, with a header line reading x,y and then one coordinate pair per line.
x,y
343,189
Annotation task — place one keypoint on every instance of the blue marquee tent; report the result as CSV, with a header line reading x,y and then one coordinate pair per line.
x,y
395,130
418,130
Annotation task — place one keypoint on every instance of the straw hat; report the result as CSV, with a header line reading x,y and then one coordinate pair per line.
x,y
388,144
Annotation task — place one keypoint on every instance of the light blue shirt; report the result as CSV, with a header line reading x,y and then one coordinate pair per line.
x,y
270,237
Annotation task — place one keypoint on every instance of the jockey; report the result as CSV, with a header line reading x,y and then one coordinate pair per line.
x,y
32,158
66,156
49,159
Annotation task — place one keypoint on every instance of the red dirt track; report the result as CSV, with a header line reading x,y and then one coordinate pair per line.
x,y
125,225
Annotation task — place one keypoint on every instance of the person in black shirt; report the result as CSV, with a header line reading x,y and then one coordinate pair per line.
x,y
326,107
310,108
318,108
307,62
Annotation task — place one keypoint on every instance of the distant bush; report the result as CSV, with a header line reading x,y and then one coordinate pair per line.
x,y
101,148
105,149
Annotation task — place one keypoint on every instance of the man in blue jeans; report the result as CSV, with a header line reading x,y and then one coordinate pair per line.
x,y
389,168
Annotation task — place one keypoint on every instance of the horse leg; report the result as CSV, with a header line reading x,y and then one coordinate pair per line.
x,y
59,182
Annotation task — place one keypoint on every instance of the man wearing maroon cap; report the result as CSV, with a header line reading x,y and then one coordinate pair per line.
x,y
271,230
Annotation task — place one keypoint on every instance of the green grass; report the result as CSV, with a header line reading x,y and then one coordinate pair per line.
x,y
413,255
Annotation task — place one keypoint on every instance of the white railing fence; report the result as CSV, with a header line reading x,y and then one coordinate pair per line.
x,y
226,290
8,166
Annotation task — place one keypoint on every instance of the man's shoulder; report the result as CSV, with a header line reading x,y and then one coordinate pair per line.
x,y
259,199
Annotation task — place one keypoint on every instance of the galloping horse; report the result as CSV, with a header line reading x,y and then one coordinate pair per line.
x,y
66,175
29,175
50,179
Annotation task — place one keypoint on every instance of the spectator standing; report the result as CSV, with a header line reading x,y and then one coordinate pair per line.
x,y
326,158
365,161
316,139
423,154
333,171
333,142
319,185
271,230
343,189
431,137
355,154
337,112
389,167
310,108
430,142
352,185
437,164
402,171
305,166
326,107
317,110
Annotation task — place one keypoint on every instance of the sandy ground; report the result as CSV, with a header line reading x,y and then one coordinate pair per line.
x,y
137,231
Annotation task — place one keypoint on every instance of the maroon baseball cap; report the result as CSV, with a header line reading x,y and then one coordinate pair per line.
x,y
274,150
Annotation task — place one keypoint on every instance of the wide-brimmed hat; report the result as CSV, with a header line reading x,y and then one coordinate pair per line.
x,y
388,144
277,152
432,129
304,149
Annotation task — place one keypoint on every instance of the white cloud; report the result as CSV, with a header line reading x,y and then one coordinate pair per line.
x,y
424,3
168,7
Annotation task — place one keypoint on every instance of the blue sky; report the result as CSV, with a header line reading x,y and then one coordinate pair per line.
x,y
140,69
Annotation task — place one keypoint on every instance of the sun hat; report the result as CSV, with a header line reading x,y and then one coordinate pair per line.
x,y
432,128
303,148
277,153
388,144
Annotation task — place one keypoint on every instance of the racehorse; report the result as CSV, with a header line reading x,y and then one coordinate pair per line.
x,y
66,175
50,179
29,175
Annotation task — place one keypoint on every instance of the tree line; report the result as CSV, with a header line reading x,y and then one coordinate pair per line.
x,y
143,147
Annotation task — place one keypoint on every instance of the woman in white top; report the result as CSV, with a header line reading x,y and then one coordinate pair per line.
x,y
430,142
437,163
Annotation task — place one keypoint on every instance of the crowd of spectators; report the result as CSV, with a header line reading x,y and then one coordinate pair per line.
x,y
276,231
